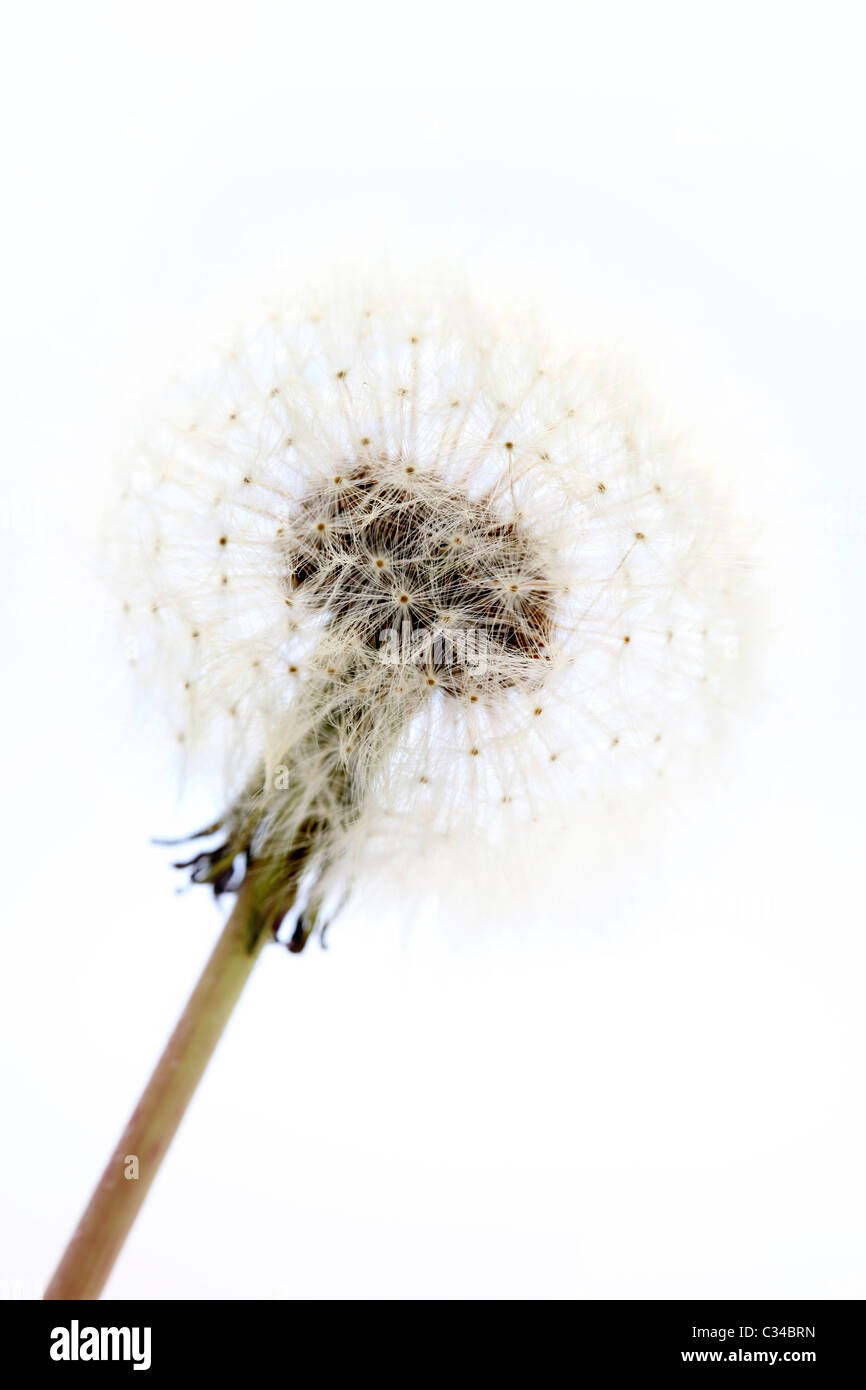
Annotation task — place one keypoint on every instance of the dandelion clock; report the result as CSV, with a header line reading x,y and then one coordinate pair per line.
x,y
403,572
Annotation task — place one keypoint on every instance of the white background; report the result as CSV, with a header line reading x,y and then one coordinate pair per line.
x,y
658,1094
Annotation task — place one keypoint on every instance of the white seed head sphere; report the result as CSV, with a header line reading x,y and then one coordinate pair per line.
x,y
411,576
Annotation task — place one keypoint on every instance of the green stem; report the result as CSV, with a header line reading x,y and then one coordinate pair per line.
x,y
100,1235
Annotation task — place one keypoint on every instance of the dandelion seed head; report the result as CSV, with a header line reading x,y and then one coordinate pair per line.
x,y
406,574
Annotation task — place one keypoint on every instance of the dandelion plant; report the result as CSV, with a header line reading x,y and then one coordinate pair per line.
x,y
402,568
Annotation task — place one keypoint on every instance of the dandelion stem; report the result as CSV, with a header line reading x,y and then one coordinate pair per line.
x,y
100,1235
